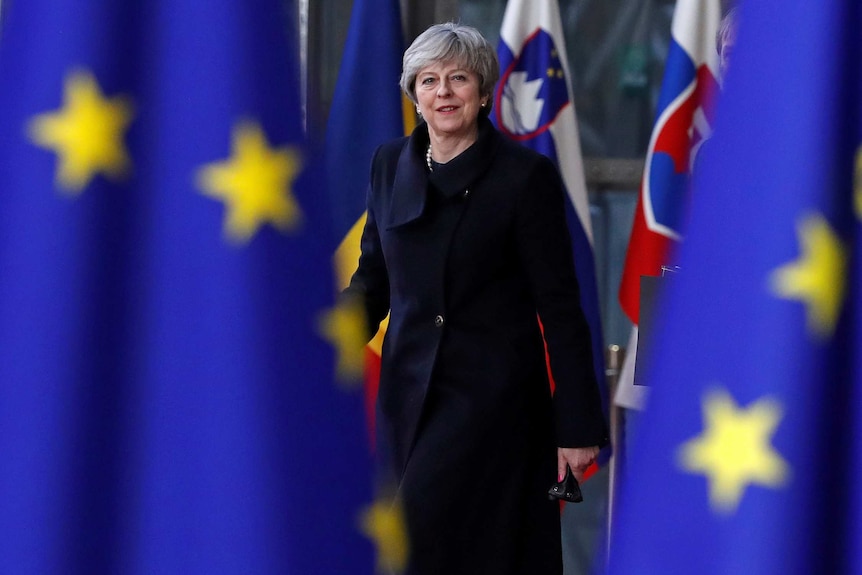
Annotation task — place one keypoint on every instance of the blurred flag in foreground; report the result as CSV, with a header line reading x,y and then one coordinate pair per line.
x,y
167,403
683,122
533,106
750,456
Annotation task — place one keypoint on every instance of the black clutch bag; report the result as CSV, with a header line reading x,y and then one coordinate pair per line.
x,y
567,489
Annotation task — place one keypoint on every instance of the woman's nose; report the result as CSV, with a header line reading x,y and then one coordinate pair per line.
x,y
443,89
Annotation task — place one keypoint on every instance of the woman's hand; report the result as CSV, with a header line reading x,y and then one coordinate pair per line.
x,y
578,458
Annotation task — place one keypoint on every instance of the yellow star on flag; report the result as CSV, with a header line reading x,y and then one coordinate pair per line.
x,y
344,260
383,523
254,183
344,327
86,133
818,277
857,187
734,449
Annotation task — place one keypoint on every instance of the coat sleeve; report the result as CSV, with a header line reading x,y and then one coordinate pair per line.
x,y
369,284
545,250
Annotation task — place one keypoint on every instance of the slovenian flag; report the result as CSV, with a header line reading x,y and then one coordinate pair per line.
x,y
533,105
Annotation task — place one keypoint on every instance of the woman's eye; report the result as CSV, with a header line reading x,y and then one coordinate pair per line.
x,y
427,81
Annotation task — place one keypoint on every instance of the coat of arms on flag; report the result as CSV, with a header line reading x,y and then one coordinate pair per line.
x,y
533,89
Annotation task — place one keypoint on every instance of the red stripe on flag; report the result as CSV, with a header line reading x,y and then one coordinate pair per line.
x,y
372,383
646,253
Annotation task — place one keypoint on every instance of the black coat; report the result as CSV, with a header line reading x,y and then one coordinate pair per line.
x,y
464,258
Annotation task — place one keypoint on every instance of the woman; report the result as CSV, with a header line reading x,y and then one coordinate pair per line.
x,y
464,245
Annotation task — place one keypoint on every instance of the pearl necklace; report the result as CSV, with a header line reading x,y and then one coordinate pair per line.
x,y
428,159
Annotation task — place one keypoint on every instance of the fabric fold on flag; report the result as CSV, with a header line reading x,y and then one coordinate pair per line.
x,y
366,107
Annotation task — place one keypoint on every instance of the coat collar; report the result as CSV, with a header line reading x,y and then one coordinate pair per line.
x,y
412,181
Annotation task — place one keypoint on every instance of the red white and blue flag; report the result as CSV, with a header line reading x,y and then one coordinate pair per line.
x,y
533,105
684,120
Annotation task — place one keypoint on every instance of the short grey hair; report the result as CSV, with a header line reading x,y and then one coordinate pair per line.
x,y
452,42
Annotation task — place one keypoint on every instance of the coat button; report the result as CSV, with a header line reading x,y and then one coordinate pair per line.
x,y
438,321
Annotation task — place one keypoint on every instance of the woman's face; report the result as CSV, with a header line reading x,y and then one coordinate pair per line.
x,y
449,100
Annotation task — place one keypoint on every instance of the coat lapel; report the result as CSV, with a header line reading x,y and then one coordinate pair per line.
x,y
410,188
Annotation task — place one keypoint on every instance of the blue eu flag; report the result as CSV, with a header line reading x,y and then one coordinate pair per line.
x,y
167,402
749,457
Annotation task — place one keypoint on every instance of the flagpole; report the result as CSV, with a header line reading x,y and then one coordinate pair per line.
x,y
614,356
302,13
